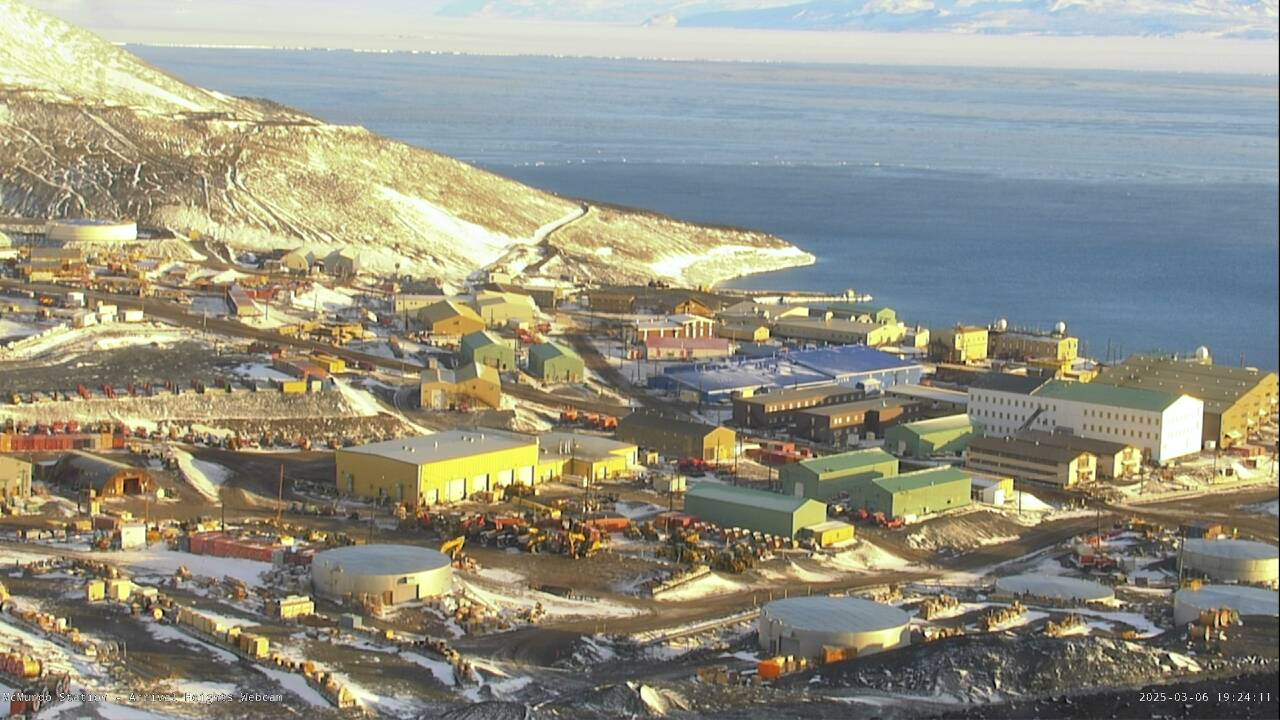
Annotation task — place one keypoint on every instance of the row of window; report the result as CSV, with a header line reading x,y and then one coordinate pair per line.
x,y
1123,417
1119,432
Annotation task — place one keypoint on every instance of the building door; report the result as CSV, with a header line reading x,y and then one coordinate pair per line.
x,y
505,477
457,490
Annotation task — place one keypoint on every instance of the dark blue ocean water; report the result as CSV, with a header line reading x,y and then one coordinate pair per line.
x,y
1140,208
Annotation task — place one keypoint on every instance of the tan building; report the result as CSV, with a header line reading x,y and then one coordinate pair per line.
x,y
677,439
961,344
1237,401
743,331
588,456
413,302
1114,460
1030,460
693,306
841,332
839,424
298,261
470,384
1024,346
778,408
500,308
612,301
672,326
447,317
15,477
431,469
343,262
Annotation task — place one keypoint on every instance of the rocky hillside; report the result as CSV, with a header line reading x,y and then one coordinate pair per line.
x,y
88,129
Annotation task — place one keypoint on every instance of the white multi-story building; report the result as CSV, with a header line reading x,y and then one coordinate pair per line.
x,y
1165,425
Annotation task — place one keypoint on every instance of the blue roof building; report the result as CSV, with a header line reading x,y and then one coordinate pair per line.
x,y
853,365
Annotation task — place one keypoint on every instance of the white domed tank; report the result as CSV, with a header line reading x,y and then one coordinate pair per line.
x,y
1002,325
1202,355
393,573
89,230
1188,603
1060,328
802,625
1233,560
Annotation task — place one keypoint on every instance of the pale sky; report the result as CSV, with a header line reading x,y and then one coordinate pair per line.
x,y
412,25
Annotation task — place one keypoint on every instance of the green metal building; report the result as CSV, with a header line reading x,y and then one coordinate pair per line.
x,y
554,362
948,435
915,493
488,349
826,477
731,506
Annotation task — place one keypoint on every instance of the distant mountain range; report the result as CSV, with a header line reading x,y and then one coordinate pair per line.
x,y
1222,18
1218,18
87,129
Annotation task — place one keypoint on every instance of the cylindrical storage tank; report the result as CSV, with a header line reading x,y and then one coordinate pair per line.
x,y
1053,588
87,230
1232,560
801,626
1188,603
394,573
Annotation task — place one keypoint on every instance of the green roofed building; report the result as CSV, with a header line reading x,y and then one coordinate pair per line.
x,y
731,506
555,362
948,435
826,477
915,493
486,348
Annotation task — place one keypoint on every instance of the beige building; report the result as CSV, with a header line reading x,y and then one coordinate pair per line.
x,y
1237,401
678,439
15,477
448,317
961,344
841,332
587,456
1024,346
1030,460
500,308
743,331
470,384
431,469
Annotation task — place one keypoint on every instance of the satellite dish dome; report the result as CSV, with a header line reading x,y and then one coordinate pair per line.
x,y
1002,324
1202,354
1060,328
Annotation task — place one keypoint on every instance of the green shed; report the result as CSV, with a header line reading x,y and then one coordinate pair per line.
x,y
915,493
488,349
949,435
826,477
732,506
554,362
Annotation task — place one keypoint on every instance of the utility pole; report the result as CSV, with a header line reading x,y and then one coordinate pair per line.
x,y
280,495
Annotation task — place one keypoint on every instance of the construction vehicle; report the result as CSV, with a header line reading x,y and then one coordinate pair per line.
x,y
453,548
693,465
537,507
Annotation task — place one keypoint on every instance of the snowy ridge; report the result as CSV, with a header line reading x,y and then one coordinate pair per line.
x,y
87,129
40,52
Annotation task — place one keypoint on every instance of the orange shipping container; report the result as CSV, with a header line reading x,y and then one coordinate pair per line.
x,y
769,669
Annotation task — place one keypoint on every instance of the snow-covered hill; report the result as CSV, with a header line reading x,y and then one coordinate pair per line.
x,y
88,129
